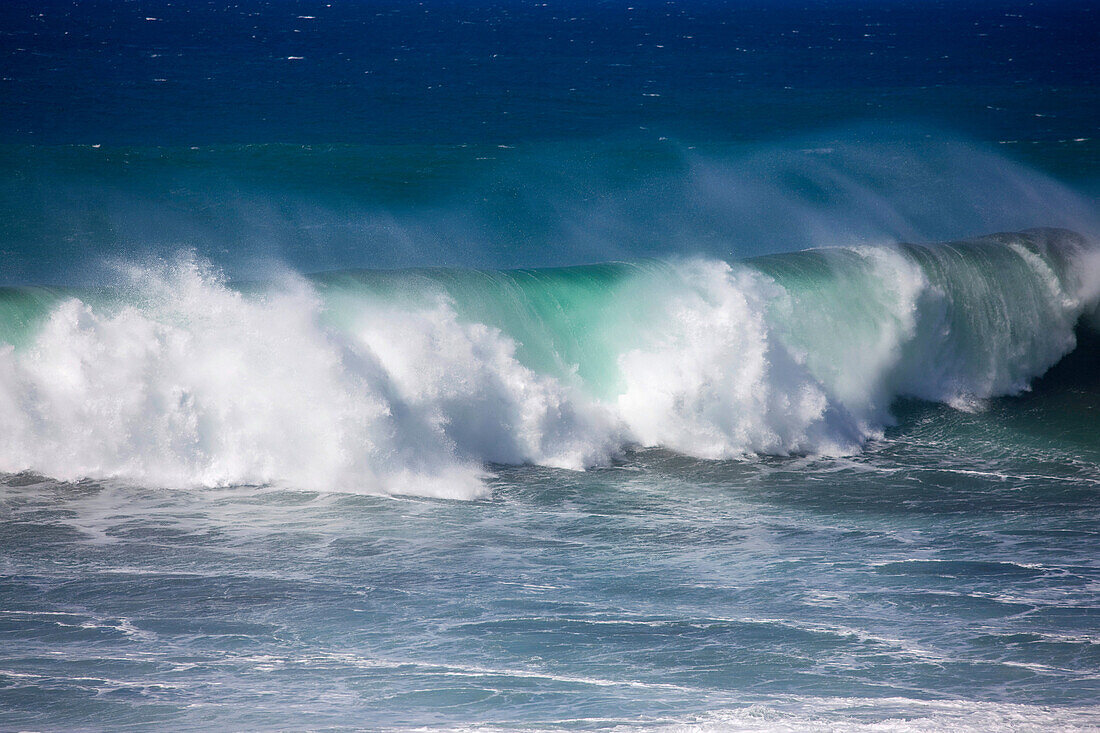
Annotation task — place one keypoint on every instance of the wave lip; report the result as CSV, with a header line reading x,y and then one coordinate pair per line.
x,y
411,381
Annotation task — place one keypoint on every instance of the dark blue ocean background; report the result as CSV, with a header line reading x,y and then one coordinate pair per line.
x,y
400,365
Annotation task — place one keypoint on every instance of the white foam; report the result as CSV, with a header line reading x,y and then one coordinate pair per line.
x,y
202,386
186,382
196,384
714,380
859,715
890,715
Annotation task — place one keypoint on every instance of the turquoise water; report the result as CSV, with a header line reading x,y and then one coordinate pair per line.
x,y
770,531
681,366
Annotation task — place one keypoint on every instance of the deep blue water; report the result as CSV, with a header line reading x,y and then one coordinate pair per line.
x,y
438,72
549,366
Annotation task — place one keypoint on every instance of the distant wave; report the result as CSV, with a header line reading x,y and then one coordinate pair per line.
x,y
411,381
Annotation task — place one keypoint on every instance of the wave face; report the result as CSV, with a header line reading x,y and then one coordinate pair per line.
x,y
411,381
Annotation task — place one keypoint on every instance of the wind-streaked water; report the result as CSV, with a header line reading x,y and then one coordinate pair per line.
x,y
546,366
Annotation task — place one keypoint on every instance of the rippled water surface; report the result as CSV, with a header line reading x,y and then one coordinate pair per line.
x,y
915,581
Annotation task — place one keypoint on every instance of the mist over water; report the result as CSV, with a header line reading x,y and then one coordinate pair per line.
x,y
251,208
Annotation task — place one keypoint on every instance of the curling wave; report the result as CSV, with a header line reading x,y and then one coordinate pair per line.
x,y
411,381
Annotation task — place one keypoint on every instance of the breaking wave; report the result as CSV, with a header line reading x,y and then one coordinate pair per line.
x,y
412,381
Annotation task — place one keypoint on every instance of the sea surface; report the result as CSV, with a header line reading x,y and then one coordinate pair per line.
x,y
557,366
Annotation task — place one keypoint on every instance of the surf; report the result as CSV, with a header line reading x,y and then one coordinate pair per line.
x,y
418,381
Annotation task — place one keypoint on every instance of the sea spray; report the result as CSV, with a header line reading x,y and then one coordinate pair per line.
x,y
200,385
626,196
715,380
413,381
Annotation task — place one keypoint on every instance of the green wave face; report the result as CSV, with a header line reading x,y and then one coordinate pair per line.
x,y
985,315
411,380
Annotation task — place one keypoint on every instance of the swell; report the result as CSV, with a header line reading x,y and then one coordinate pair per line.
x,y
411,381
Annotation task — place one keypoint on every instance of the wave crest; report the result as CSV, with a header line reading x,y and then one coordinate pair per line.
x,y
410,382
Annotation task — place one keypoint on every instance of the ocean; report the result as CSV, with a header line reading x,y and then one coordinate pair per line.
x,y
549,366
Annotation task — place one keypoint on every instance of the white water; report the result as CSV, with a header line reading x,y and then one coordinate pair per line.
x,y
869,715
188,382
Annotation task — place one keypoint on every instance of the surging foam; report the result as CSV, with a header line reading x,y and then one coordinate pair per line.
x,y
178,379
